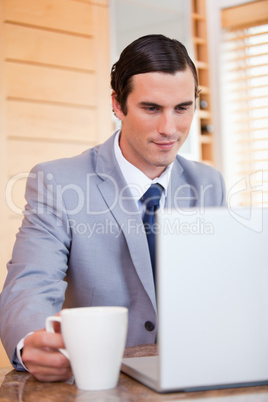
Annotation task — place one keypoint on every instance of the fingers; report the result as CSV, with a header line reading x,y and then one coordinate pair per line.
x,y
43,359
57,327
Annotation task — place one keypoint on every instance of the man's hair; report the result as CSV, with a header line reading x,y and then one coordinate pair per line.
x,y
150,53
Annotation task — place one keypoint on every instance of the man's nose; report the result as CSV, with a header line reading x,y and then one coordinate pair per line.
x,y
166,124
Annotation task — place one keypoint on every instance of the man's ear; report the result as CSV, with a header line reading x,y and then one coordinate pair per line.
x,y
116,107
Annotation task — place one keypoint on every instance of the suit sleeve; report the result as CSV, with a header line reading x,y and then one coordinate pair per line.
x,y
35,286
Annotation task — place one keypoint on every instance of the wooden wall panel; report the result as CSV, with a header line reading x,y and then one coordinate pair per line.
x,y
95,2
100,20
39,83
243,15
15,200
29,44
65,15
51,123
4,227
23,155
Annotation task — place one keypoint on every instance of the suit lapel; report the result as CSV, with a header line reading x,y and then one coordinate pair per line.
x,y
180,194
118,198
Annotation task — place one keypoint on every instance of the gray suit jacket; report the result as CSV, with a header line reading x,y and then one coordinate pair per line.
x,y
82,228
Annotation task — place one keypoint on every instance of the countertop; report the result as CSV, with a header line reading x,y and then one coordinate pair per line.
x,y
21,386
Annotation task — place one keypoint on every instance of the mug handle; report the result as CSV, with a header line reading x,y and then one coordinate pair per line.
x,y
50,328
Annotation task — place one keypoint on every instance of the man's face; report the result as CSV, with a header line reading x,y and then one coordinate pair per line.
x,y
160,110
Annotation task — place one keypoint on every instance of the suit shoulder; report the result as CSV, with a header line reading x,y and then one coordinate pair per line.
x,y
78,163
203,178
198,170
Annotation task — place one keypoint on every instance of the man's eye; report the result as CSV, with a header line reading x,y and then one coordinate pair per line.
x,y
151,108
181,108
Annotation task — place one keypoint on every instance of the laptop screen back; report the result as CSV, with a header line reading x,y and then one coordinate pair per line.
x,y
212,292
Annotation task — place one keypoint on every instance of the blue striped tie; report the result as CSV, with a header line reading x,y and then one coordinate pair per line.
x,y
151,200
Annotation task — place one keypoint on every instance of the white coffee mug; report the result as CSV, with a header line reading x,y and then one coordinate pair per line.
x,y
95,339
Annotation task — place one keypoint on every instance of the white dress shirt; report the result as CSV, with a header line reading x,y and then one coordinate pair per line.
x,y
137,181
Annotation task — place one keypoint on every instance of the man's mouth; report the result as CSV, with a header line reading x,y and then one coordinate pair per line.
x,y
165,145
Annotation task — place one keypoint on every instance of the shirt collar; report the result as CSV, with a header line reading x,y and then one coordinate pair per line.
x,y
137,181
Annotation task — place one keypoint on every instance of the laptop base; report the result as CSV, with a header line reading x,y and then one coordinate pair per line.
x,y
144,370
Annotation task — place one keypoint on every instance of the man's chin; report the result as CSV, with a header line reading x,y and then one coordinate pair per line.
x,y
164,163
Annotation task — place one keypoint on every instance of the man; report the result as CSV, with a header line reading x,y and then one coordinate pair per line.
x,y
83,219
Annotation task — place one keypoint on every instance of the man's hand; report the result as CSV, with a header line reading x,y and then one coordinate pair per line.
x,y
42,358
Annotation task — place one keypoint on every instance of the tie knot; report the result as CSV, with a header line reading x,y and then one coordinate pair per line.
x,y
152,196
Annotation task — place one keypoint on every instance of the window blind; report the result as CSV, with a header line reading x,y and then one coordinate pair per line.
x,y
245,110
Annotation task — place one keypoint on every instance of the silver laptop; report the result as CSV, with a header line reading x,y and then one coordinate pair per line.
x,y
212,291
